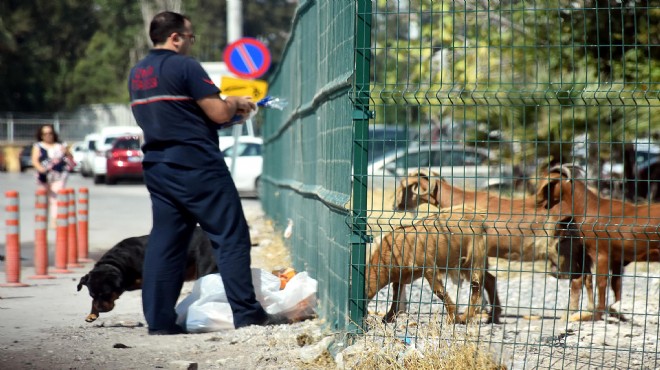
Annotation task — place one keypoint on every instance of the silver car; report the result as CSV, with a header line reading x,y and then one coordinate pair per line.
x,y
462,166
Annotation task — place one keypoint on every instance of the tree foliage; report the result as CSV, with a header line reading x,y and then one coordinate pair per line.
x,y
537,71
58,55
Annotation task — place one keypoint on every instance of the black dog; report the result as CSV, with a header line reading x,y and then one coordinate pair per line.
x,y
120,270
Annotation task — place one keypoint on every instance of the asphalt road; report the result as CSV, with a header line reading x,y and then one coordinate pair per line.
x,y
29,315
115,212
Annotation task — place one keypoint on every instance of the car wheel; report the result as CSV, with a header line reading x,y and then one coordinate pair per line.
x,y
98,179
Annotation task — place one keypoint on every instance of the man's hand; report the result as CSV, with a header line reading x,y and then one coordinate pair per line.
x,y
222,111
244,104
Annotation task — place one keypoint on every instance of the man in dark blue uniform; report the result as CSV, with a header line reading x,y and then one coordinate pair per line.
x,y
179,109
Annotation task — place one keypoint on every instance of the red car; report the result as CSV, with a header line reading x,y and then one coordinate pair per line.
x,y
124,159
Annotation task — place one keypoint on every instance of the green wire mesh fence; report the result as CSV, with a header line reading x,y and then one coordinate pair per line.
x,y
505,165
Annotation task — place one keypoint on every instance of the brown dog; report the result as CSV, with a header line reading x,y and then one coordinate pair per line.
x,y
120,270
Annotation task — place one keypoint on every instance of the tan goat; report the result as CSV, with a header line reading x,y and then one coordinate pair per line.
x,y
515,225
449,243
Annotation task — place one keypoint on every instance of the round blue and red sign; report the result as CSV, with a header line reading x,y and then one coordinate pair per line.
x,y
247,58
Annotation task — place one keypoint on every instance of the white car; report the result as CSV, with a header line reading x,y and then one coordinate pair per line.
x,y
103,144
86,163
226,135
461,166
78,151
249,164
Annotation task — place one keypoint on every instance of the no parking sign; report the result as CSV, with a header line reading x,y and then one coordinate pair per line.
x,y
247,58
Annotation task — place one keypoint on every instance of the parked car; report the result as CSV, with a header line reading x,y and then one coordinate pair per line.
x,y
25,157
462,166
249,164
3,161
124,159
78,150
86,163
104,142
384,139
226,136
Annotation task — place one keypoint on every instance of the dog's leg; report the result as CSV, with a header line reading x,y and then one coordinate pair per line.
x,y
93,315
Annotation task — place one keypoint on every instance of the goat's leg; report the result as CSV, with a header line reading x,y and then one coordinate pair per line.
x,y
475,299
616,280
574,311
490,286
589,286
398,302
602,269
439,290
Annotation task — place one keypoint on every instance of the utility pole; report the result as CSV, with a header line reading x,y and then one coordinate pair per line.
x,y
234,20
234,33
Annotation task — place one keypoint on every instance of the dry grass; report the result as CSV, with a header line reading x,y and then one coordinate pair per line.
x,y
272,252
435,346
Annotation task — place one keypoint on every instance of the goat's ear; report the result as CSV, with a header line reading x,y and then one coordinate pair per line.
x,y
546,193
435,191
83,281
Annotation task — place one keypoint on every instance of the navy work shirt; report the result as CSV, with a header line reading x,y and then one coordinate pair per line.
x,y
164,89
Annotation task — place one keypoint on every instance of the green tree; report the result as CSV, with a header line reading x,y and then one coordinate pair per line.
x,y
42,41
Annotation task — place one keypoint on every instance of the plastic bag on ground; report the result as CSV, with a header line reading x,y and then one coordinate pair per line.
x,y
206,308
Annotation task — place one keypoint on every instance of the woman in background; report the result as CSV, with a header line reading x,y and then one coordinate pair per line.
x,y
53,162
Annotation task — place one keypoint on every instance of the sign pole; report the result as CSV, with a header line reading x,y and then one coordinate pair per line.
x,y
234,33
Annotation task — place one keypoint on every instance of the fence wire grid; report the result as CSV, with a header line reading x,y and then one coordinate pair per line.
x,y
498,162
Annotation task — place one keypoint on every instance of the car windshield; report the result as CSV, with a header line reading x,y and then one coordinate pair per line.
x,y
130,144
461,158
439,157
244,150
385,140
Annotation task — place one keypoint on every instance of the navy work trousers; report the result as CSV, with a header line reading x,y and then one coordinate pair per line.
x,y
181,197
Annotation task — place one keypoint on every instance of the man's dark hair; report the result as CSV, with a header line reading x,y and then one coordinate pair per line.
x,y
164,23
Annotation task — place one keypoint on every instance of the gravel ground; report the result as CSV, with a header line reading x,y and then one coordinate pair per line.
x,y
533,335
43,327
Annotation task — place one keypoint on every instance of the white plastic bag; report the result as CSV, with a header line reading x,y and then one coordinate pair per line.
x,y
207,309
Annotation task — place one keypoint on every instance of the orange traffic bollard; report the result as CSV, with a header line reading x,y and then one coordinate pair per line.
x,y
41,236
72,237
61,238
83,225
12,245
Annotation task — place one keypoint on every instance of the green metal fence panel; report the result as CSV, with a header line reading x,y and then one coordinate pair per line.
x,y
307,163
537,120
508,143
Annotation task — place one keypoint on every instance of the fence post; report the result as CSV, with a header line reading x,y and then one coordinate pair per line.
x,y
61,243
72,239
83,225
12,245
41,236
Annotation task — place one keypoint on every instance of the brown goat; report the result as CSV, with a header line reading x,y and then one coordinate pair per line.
x,y
452,241
514,224
614,233
571,262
